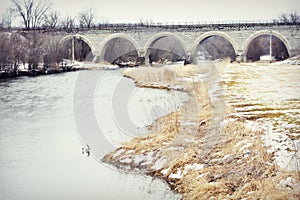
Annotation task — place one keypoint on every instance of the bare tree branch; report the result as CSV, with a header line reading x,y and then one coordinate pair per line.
x,y
294,17
87,17
51,20
31,12
39,12
284,18
68,23
6,19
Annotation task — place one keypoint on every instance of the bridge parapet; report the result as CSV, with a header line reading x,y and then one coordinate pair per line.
x,y
188,35
177,27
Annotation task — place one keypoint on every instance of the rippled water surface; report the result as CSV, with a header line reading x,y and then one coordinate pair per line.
x,y
40,147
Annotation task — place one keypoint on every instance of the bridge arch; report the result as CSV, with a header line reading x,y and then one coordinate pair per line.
x,y
110,38
206,35
86,50
85,39
159,36
265,32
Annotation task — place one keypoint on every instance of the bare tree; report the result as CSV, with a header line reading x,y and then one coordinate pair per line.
x,y
31,12
294,17
7,18
12,51
68,23
35,49
146,22
87,17
284,18
51,20
53,53
4,51
18,49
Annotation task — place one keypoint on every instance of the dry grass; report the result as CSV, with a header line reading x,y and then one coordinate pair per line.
x,y
236,163
146,75
229,173
168,130
195,187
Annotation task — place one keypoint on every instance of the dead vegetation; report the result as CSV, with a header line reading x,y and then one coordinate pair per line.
x,y
196,161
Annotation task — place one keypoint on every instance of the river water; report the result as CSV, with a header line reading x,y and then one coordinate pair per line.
x,y
45,121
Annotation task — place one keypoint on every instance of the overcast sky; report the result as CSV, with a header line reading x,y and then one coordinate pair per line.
x,y
176,10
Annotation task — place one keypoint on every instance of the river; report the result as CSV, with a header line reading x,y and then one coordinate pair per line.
x,y
42,131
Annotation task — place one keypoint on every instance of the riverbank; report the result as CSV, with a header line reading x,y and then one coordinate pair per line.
x,y
37,72
209,148
23,71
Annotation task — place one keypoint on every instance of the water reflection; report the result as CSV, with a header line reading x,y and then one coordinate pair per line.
x,y
40,152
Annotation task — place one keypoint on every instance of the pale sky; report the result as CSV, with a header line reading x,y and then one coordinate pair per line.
x,y
175,11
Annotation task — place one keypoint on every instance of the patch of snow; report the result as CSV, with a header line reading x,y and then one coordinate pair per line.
x,y
129,151
226,156
126,160
197,166
194,166
160,163
109,67
177,175
148,158
288,182
139,158
118,153
250,193
246,153
104,66
165,171
286,151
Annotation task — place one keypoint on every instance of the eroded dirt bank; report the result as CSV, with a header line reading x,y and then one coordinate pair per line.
x,y
214,147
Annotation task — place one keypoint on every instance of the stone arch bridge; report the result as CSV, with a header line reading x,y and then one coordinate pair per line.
x,y
187,36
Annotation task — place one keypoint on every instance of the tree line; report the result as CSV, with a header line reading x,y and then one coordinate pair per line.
x,y
36,14
36,51
29,51
292,17
33,48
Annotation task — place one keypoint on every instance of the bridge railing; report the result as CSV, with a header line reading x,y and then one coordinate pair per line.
x,y
166,25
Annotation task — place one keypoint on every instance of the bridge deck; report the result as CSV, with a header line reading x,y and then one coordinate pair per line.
x,y
170,26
